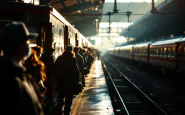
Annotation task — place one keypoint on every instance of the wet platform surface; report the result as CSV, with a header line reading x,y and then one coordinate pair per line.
x,y
94,99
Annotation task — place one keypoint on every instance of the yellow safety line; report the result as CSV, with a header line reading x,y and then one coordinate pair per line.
x,y
76,107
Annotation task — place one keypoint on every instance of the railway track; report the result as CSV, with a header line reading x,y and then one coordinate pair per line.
x,y
130,99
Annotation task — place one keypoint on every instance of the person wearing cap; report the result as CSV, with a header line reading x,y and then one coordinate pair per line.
x,y
67,75
17,93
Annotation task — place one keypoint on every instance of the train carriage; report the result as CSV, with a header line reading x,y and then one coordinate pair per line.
x,y
110,51
126,51
117,51
166,53
141,51
54,30
163,53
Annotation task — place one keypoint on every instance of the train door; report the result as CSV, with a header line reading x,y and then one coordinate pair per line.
x,y
71,37
41,38
66,39
47,37
76,40
148,54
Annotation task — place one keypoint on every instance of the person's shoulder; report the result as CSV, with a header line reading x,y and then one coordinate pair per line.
x,y
73,59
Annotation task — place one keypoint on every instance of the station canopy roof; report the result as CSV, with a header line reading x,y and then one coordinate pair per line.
x,y
142,23
72,10
168,22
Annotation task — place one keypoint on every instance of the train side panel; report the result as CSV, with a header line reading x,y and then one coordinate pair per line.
x,y
163,53
126,52
141,52
58,28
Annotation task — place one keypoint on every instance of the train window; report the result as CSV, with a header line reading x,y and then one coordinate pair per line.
x,y
173,52
142,51
135,51
169,52
165,52
151,51
181,51
161,51
154,52
146,51
157,52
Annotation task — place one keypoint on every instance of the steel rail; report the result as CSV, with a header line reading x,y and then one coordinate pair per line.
x,y
159,108
124,109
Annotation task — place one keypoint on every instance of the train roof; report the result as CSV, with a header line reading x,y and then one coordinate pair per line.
x,y
61,18
116,48
182,40
142,44
127,46
169,41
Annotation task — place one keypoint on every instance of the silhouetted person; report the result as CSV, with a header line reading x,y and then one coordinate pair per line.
x,y
80,63
48,60
98,54
67,75
17,93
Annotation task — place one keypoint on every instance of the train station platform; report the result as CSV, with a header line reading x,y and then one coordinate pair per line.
x,y
94,99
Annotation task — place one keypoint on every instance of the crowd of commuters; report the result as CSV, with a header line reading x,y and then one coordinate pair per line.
x,y
27,72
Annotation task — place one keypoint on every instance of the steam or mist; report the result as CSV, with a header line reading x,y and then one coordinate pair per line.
x,y
102,42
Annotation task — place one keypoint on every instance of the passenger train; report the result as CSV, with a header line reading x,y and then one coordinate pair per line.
x,y
54,30
166,53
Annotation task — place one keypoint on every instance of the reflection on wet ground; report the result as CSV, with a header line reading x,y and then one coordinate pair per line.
x,y
95,99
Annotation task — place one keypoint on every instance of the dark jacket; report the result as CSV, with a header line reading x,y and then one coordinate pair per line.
x,y
66,73
17,93
84,58
48,60
80,62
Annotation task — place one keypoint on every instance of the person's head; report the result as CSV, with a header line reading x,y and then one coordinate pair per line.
x,y
35,66
38,50
76,49
80,49
69,48
14,40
